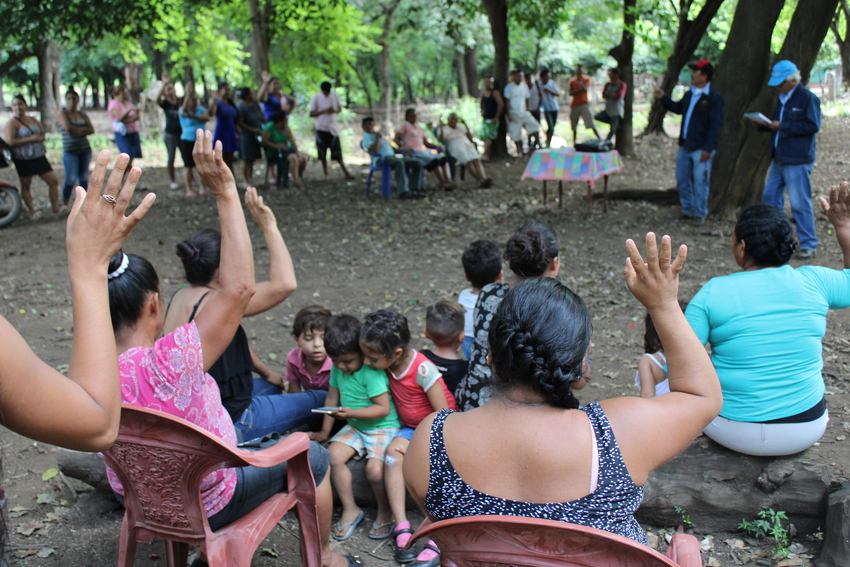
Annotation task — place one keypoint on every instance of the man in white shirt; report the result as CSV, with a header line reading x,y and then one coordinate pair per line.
x,y
516,97
324,106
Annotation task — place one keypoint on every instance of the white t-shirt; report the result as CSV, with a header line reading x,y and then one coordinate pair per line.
x,y
534,96
467,299
516,95
326,122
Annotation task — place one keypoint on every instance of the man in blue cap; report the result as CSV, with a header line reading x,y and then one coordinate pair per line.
x,y
702,107
795,124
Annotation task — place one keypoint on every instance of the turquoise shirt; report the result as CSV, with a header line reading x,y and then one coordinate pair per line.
x,y
356,392
765,328
189,124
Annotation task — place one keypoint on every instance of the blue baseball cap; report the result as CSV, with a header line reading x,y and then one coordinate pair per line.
x,y
780,72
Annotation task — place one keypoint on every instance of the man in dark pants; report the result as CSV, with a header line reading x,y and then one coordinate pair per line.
x,y
702,110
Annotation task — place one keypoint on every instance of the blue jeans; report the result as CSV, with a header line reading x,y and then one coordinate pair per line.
x,y
76,166
272,411
693,178
255,485
797,180
466,345
551,120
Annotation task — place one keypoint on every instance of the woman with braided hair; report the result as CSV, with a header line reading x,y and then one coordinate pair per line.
x,y
531,252
529,451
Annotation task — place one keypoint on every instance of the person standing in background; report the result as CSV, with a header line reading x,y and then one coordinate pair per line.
x,y
170,104
579,105
324,106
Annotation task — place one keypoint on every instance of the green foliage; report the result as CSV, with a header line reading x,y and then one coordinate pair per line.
x,y
769,526
684,516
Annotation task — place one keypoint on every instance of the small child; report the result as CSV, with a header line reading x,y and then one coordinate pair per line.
x,y
444,326
363,396
308,366
651,376
482,265
418,390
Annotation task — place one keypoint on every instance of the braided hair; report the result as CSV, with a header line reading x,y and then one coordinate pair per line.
x,y
768,235
538,340
386,330
201,255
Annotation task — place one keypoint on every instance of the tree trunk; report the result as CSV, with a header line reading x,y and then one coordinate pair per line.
x,y
49,61
688,36
95,94
470,68
460,73
132,80
843,43
623,55
260,36
497,14
386,75
158,64
744,70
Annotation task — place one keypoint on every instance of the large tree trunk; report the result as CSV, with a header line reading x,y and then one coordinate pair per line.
x,y
460,73
132,80
470,68
843,43
688,36
497,14
742,79
386,75
260,14
623,55
49,61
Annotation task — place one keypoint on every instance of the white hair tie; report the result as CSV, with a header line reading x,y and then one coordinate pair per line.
x,y
120,270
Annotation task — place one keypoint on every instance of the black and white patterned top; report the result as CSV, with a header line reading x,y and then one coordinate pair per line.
x,y
474,389
610,507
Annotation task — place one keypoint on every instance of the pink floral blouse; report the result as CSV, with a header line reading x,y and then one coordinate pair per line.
x,y
170,377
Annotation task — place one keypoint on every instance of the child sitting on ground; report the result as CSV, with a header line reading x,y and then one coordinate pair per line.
x,y
418,390
362,395
651,375
482,265
444,326
308,366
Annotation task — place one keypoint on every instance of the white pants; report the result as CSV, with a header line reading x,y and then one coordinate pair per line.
x,y
521,119
766,439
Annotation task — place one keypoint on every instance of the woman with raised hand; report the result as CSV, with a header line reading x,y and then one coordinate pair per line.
x,y
766,325
169,373
536,454
25,136
80,411
225,112
125,118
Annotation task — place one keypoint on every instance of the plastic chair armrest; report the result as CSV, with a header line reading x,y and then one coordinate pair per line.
x,y
284,450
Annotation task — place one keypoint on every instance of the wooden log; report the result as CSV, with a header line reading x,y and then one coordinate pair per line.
x,y
836,540
718,488
86,467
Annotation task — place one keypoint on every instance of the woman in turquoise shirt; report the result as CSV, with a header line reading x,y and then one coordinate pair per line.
x,y
192,116
765,325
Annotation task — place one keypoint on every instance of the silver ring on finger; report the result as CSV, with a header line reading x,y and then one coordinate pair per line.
x,y
109,199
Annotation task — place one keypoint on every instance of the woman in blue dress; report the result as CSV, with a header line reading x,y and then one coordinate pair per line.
x,y
225,112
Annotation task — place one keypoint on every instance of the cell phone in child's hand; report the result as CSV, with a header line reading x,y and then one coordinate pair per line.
x,y
326,409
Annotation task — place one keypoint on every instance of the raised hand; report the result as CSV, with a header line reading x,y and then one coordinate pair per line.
x,y
213,171
837,208
96,226
262,213
654,283
265,76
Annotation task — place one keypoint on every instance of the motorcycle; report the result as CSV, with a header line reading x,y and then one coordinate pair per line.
x,y
11,203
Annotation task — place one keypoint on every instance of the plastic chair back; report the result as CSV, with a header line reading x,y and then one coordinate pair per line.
x,y
161,460
476,541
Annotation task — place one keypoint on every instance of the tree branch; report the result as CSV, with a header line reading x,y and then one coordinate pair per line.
x,y
15,57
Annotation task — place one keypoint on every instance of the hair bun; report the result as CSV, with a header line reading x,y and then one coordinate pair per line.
x,y
187,251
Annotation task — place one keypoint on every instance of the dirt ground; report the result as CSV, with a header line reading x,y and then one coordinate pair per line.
x,y
355,255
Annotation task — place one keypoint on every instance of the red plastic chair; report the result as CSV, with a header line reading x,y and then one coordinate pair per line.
x,y
475,541
161,460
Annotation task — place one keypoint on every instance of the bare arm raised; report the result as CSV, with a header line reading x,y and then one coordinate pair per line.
x,y
80,411
837,210
281,283
651,431
218,320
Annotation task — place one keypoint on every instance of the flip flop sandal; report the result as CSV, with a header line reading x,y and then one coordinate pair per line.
x,y
354,561
377,526
403,555
349,527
